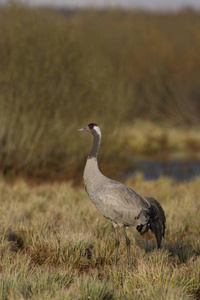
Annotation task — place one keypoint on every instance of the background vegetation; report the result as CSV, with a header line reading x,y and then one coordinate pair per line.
x,y
61,70
49,250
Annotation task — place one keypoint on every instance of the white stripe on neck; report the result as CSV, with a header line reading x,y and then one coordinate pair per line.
x,y
97,129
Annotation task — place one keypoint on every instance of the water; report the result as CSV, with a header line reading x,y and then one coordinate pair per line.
x,y
177,169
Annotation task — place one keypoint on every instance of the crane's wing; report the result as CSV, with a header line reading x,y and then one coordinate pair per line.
x,y
121,204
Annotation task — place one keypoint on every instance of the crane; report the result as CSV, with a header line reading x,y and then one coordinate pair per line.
x,y
119,203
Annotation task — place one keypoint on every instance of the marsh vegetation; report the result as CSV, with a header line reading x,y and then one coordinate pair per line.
x,y
134,74
55,245
58,72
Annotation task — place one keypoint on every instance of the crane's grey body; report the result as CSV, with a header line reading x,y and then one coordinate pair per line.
x,y
114,200
119,203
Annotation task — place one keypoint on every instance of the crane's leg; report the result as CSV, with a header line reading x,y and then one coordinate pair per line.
x,y
116,241
128,246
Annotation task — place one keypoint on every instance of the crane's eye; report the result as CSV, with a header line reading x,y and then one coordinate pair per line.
x,y
91,125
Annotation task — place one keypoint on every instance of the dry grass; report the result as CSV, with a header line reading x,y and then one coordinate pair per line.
x,y
55,245
60,75
146,138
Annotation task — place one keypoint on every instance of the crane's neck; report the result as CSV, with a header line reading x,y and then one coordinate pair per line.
x,y
95,147
91,171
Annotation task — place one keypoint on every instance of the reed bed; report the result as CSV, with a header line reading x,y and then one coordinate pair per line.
x,y
61,70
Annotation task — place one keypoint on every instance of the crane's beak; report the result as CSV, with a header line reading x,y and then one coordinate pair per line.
x,y
84,129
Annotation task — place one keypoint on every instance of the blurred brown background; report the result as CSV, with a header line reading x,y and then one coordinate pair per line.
x,y
135,74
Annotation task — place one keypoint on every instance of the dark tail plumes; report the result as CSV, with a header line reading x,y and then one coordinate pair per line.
x,y
156,222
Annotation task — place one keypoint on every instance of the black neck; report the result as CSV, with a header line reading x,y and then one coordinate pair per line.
x,y
95,146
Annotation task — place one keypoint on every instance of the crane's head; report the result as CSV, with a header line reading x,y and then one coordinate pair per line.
x,y
92,128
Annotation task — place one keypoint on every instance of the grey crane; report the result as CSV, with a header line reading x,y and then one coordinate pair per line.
x,y
119,203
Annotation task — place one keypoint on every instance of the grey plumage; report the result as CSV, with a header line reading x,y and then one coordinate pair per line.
x,y
119,203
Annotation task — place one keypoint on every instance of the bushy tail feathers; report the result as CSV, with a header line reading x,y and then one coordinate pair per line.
x,y
156,222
